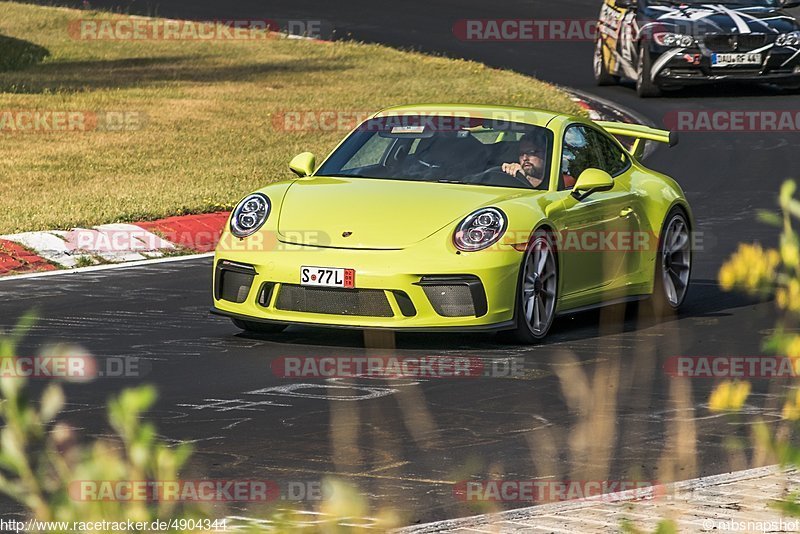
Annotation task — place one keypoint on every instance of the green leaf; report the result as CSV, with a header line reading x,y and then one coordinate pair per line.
x,y
137,400
52,402
10,386
793,207
24,324
12,449
667,526
627,527
788,506
787,192
769,217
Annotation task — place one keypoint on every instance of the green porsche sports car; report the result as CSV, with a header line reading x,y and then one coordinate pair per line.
x,y
452,217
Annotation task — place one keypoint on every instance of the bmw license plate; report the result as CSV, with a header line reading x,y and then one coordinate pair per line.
x,y
727,60
328,277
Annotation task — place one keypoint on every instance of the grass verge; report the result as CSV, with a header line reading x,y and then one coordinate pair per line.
x,y
200,131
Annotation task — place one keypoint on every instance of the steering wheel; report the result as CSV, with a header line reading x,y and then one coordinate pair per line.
x,y
484,177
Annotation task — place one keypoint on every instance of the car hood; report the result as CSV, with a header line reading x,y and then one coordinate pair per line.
x,y
721,19
365,213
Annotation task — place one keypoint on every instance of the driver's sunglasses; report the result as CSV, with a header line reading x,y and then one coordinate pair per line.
x,y
532,154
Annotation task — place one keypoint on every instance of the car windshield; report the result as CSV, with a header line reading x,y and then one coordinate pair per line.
x,y
753,3
450,149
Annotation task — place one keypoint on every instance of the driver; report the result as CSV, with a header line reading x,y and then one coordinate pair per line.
x,y
531,161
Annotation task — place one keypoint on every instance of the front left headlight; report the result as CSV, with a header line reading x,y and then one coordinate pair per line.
x,y
480,229
673,39
249,215
788,39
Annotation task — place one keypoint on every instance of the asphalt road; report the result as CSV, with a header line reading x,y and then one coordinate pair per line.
x,y
594,401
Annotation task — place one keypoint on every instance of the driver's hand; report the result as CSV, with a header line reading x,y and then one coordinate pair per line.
x,y
512,168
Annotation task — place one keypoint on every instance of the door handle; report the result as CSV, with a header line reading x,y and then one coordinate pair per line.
x,y
624,212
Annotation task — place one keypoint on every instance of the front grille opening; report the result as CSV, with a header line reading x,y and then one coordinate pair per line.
x,y
265,295
235,286
455,296
405,304
686,72
735,43
334,301
451,301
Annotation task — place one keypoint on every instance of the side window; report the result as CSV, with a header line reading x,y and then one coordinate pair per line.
x,y
586,148
612,159
577,155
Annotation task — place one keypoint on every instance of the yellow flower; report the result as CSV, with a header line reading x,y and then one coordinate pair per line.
x,y
729,396
727,277
750,268
791,410
791,298
790,253
793,348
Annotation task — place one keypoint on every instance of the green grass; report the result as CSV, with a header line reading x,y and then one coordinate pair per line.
x,y
209,137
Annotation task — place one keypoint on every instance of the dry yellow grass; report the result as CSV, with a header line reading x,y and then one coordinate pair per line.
x,y
209,136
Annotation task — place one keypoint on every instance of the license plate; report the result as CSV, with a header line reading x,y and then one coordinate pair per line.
x,y
726,60
328,277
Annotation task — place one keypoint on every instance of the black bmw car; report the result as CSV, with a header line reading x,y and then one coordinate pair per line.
x,y
664,44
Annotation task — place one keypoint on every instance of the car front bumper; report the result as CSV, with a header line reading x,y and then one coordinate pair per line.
x,y
694,67
424,287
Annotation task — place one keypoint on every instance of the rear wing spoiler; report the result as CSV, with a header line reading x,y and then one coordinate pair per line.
x,y
641,134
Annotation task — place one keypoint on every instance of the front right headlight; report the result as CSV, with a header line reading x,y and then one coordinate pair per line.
x,y
249,215
673,39
480,229
788,39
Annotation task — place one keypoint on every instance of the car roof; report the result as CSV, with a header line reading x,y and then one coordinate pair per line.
x,y
536,117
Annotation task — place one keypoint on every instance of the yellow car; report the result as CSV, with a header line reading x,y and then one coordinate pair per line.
x,y
452,217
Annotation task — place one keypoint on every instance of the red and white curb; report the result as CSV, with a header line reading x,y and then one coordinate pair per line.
x,y
32,252
594,115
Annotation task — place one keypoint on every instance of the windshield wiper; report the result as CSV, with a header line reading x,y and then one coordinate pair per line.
x,y
356,175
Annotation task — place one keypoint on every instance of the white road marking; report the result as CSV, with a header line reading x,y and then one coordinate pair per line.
x,y
293,390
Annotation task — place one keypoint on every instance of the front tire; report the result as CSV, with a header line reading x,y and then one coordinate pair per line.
x,y
601,75
259,328
537,289
673,264
645,87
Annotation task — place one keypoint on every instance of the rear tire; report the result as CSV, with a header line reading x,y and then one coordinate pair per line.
x,y
259,328
537,290
673,264
645,86
601,75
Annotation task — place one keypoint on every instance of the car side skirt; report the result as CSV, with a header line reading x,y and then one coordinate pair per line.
x,y
603,304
